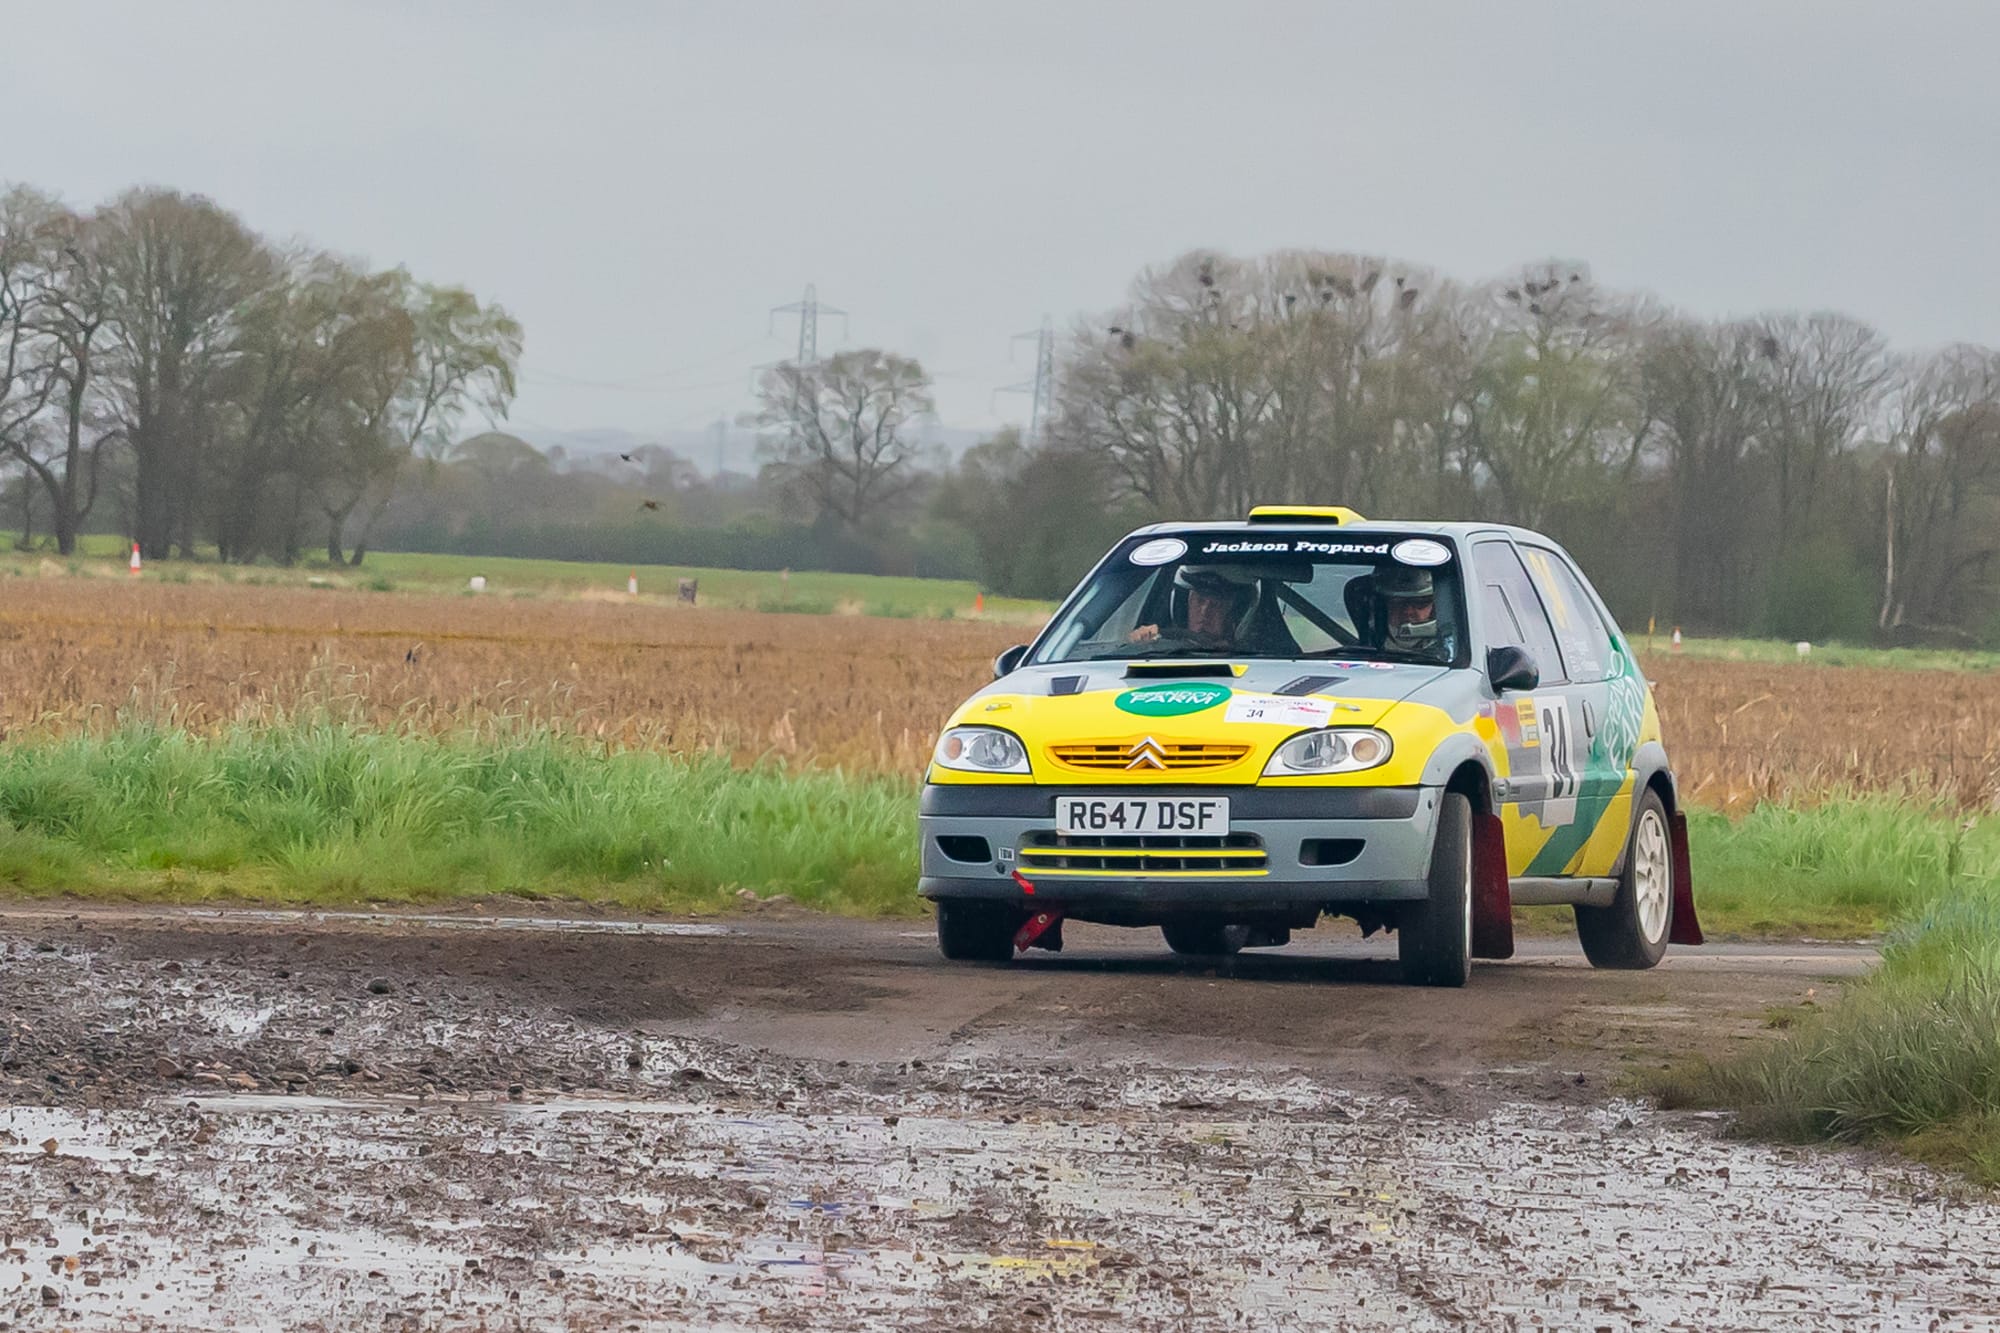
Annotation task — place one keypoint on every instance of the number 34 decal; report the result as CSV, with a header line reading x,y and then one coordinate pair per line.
x,y
1561,747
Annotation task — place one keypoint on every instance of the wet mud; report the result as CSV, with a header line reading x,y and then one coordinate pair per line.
x,y
285,1121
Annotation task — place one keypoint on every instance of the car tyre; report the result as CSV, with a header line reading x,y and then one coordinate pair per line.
x,y
976,932
1631,933
1205,939
1434,938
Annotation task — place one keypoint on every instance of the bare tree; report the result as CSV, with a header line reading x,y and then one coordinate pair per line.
x,y
839,431
179,276
26,375
1824,376
1549,406
462,357
1945,457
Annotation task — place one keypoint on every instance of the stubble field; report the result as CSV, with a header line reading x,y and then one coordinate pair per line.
x,y
860,693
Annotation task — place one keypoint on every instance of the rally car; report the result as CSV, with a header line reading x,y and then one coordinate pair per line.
x,y
1230,729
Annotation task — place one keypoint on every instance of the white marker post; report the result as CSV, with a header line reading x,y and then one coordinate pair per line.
x,y
632,584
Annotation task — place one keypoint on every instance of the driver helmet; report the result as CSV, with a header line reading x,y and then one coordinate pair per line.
x,y
1402,584
1234,582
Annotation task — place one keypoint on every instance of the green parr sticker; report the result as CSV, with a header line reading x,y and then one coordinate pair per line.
x,y
1171,700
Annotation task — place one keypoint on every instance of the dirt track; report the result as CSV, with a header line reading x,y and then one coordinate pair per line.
x,y
803,1123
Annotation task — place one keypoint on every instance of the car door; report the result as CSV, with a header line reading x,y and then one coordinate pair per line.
x,y
1538,729
1596,671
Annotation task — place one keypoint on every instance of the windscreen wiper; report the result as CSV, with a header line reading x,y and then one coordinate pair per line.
x,y
1379,654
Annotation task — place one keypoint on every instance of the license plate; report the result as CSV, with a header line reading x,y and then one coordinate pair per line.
x,y
1190,816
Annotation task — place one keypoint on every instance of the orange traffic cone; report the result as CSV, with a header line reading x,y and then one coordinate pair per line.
x,y
133,567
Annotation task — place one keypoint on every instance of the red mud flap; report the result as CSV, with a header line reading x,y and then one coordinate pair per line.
x,y
1686,930
1492,904
1043,930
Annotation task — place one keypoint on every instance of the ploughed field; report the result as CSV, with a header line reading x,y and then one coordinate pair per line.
x,y
863,693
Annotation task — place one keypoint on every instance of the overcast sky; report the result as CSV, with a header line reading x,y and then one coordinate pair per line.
x,y
640,183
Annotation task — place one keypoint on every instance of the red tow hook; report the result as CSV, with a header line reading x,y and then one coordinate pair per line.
x,y
1042,931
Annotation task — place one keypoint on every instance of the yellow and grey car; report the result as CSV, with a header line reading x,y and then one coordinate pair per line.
x,y
1231,729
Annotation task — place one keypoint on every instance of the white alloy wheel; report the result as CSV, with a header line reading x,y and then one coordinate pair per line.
x,y
1652,875
1631,931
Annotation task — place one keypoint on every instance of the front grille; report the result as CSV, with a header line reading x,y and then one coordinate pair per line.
x,y
1143,854
1120,756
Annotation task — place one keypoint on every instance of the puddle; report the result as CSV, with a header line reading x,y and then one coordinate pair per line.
x,y
587,1210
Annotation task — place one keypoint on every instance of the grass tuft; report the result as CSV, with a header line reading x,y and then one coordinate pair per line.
x,y
1909,1057
323,813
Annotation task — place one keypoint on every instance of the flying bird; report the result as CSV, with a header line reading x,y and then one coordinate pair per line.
x,y
649,504
628,458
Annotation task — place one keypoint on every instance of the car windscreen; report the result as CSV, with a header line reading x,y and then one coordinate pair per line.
x,y
1246,595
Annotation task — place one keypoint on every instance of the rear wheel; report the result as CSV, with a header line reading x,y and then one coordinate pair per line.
x,y
977,932
1434,938
1632,932
1205,939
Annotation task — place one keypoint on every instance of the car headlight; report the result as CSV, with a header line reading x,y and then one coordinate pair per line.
x,y
981,750
1330,750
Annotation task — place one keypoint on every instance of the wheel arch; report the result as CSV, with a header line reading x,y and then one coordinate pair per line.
x,y
1652,772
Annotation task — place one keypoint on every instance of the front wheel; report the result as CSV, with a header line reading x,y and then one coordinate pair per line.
x,y
976,932
1434,938
1632,932
1205,939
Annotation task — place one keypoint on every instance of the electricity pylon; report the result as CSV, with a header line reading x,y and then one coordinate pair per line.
x,y
1044,383
808,310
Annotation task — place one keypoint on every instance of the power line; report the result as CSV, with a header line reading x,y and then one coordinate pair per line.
x,y
641,383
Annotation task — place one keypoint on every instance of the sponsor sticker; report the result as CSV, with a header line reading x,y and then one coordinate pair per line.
x,y
1286,710
1296,546
1422,552
1531,725
1171,700
1158,551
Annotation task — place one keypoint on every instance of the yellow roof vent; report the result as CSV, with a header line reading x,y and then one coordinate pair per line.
x,y
1304,514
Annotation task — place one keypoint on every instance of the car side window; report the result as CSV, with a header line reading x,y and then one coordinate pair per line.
x,y
1504,584
1580,633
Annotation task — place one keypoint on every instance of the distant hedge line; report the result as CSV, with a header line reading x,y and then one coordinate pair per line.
x,y
928,551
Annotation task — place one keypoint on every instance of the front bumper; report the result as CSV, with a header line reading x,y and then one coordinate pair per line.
x,y
1394,827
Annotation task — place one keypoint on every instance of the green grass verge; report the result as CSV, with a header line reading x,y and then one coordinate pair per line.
x,y
323,814
1777,652
1908,1058
809,592
316,811
1846,869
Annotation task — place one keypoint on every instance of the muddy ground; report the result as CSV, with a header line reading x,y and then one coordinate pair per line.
x,y
265,1120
